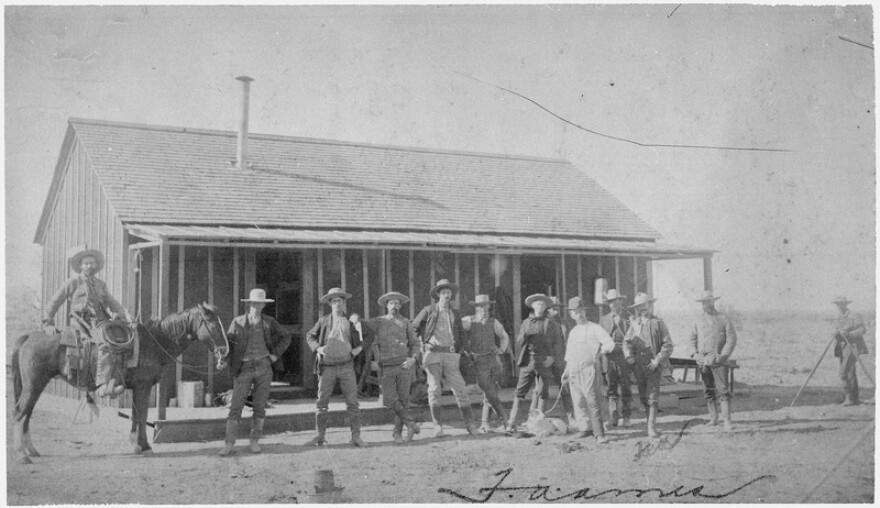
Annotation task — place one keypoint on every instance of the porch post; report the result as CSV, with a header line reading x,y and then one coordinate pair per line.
x,y
161,310
707,273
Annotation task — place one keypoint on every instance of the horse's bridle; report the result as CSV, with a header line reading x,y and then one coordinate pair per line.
x,y
219,353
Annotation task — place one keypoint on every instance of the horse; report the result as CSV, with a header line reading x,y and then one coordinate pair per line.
x,y
38,357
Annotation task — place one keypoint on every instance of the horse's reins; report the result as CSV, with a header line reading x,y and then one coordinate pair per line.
x,y
184,365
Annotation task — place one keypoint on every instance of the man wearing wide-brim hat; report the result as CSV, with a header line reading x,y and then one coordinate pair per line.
x,y
90,300
713,338
537,336
556,312
616,323
394,350
439,328
336,341
849,332
647,346
256,341
485,340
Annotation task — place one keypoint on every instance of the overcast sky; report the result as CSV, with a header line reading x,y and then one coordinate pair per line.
x,y
792,228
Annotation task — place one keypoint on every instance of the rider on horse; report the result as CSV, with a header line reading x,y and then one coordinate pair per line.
x,y
91,301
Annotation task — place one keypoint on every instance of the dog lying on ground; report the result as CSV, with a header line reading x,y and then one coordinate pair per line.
x,y
543,426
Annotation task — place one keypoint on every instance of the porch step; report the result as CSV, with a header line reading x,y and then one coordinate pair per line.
x,y
284,391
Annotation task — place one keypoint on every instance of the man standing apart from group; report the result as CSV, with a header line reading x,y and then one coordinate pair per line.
x,y
394,352
485,341
256,341
713,338
616,324
647,346
849,333
439,327
336,341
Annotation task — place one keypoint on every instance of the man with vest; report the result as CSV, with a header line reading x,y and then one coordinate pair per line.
x,y
336,341
713,338
849,332
616,323
647,346
439,327
485,340
555,312
394,348
256,341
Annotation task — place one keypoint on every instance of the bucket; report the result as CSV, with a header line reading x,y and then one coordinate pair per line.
x,y
322,488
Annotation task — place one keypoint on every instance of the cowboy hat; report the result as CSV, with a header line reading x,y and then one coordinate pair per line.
x,y
482,301
76,254
538,296
554,302
393,295
576,303
257,296
335,293
641,299
612,295
841,299
707,295
443,284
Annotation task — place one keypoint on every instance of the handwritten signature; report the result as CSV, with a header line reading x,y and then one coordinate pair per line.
x,y
645,450
542,492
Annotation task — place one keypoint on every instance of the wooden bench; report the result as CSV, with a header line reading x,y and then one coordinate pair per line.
x,y
690,363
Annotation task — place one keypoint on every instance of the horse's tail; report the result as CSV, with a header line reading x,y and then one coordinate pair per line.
x,y
16,368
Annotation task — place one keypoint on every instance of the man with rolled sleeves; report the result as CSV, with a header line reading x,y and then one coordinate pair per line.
x,y
616,323
395,347
485,340
713,339
256,341
439,327
647,346
849,332
336,341
535,342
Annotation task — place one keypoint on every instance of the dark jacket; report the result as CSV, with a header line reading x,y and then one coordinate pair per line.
x,y
538,338
616,331
850,326
654,343
317,337
277,340
426,321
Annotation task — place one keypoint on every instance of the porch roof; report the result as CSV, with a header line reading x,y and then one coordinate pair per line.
x,y
276,237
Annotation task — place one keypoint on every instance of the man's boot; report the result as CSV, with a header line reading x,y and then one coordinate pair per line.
x,y
625,412
467,415
321,427
355,425
652,422
231,434
725,415
515,417
485,426
855,391
435,418
412,428
713,413
256,434
599,431
614,407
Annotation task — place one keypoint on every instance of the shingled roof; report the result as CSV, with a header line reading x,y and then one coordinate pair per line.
x,y
173,175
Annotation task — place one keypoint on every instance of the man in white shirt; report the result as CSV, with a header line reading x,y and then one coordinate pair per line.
x,y
586,341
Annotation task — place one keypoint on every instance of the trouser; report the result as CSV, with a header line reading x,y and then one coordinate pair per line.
x,y
395,381
488,369
257,374
619,387
556,371
716,382
529,375
586,394
444,368
848,378
648,384
329,375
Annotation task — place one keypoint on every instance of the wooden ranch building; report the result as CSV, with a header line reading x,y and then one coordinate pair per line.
x,y
181,221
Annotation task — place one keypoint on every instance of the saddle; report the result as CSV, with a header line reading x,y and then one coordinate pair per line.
x,y
82,341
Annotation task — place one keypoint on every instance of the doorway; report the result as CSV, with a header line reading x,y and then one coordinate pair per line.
x,y
538,274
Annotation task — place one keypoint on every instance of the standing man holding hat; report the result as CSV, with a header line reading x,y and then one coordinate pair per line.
x,y
394,350
485,341
647,346
256,341
336,341
439,327
616,324
713,338
537,337
92,302
849,330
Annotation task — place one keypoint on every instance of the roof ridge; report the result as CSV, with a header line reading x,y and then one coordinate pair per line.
x,y
304,139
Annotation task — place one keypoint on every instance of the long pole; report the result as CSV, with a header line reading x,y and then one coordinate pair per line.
x,y
813,372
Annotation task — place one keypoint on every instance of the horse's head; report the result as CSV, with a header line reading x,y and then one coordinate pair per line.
x,y
210,330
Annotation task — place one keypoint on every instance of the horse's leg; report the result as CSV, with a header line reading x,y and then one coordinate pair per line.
x,y
32,385
140,408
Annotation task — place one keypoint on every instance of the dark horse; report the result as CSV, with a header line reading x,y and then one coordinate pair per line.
x,y
38,357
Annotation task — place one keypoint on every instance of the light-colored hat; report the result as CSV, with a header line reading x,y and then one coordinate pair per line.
x,y
443,284
258,296
554,302
841,299
335,293
707,295
612,295
576,303
641,299
76,254
538,296
482,301
393,295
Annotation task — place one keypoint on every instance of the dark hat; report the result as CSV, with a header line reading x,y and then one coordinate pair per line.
x,y
576,303
707,295
482,301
